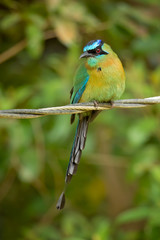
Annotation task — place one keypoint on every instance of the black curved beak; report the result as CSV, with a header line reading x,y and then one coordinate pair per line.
x,y
86,54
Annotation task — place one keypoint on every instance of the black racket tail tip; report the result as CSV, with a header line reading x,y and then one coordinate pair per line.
x,y
61,201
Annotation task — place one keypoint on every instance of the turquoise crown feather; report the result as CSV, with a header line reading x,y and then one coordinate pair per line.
x,y
92,45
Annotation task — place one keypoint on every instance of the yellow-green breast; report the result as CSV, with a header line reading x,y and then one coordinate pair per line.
x,y
106,78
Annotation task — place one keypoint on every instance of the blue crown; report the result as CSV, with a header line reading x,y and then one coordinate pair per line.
x,y
92,45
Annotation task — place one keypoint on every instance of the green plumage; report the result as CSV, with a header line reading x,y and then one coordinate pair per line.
x,y
79,79
100,78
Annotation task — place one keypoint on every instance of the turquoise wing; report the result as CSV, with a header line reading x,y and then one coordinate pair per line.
x,y
80,82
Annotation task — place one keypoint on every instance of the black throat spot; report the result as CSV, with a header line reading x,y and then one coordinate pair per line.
x,y
99,69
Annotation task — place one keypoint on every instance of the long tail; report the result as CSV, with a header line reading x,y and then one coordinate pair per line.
x,y
78,146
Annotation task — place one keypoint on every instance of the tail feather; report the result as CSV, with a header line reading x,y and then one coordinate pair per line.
x,y
72,168
78,146
77,157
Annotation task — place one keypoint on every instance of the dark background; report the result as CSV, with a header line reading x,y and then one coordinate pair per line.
x,y
116,192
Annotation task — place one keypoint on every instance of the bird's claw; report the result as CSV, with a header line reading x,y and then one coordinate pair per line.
x,y
111,103
95,104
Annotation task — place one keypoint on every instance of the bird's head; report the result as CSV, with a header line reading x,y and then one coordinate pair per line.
x,y
94,48
96,51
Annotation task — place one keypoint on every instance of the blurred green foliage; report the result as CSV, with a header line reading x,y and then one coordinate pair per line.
x,y
116,193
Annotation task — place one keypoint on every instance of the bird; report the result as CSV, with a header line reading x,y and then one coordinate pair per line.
x,y
100,77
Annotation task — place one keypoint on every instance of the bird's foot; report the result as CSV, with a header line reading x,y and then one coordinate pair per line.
x,y
111,103
95,103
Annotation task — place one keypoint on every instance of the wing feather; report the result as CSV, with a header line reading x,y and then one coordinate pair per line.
x,y
80,82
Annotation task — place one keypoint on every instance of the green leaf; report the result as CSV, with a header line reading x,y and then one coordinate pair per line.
x,y
30,166
34,40
141,45
75,224
101,228
9,21
155,171
141,130
145,159
133,215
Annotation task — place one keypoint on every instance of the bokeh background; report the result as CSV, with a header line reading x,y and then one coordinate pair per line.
x,y
116,192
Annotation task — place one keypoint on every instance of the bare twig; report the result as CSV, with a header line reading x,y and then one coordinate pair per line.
x,y
11,52
78,108
18,47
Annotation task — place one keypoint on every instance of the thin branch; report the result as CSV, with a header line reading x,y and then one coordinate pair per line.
x,y
78,108
11,52
18,47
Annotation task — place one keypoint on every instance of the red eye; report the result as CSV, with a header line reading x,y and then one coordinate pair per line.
x,y
98,50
